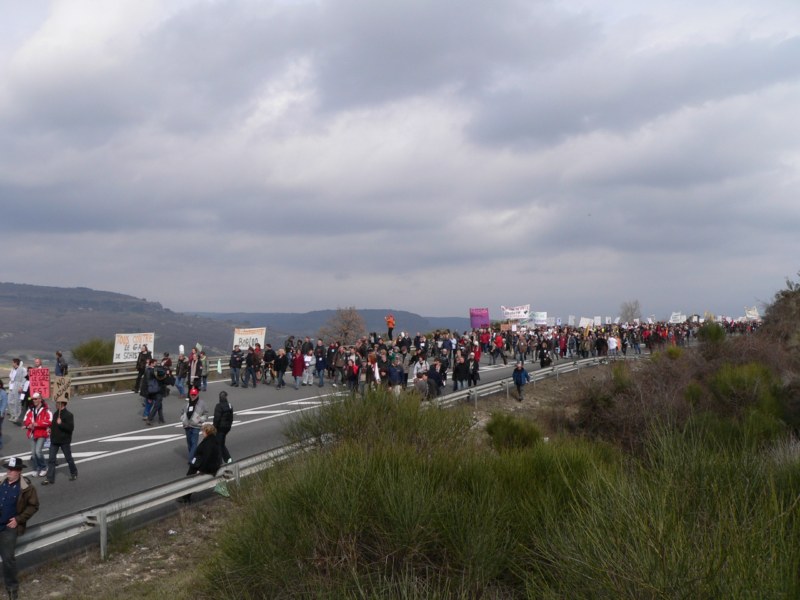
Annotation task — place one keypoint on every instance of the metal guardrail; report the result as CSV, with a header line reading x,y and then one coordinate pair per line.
x,y
65,529
58,531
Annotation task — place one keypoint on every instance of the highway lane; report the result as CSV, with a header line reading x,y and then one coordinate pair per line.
x,y
118,455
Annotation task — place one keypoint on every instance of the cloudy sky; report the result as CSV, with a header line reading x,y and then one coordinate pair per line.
x,y
430,156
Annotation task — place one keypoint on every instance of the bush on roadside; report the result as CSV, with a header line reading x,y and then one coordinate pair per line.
x,y
512,433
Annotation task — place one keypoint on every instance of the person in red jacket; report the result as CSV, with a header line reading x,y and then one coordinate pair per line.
x,y
37,425
298,366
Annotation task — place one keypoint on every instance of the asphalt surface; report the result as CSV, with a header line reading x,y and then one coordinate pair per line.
x,y
117,455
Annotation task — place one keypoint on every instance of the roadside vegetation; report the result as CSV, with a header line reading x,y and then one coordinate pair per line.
x,y
679,478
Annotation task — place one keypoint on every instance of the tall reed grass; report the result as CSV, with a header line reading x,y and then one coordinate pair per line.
x,y
406,505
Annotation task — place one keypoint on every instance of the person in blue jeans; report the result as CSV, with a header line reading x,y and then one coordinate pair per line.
x,y
192,418
520,377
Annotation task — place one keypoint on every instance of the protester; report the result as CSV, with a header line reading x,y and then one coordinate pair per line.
x,y
192,416
37,424
223,421
16,381
520,377
63,424
206,458
141,364
235,364
298,366
18,503
3,408
281,364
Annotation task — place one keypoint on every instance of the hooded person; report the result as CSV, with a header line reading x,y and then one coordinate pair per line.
x,y
223,421
18,503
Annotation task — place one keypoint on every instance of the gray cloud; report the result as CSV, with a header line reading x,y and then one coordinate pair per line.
x,y
425,155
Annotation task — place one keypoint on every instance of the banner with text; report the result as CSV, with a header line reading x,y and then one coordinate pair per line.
x,y
585,322
39,381
540,318
244,338
479,317
516,312
128,345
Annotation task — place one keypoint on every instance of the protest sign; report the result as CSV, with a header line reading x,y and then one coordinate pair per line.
x,y
128,345
39,381
244,338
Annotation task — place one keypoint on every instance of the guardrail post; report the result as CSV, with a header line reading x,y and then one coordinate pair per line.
x,y
236,473
102,521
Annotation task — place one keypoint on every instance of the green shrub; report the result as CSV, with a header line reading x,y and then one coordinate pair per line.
x,y
621,377
739,387
711,333
693,393
674,353
511,433
378,418
94,352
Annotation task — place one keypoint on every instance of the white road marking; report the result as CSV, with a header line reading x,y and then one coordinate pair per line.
x,y
137,438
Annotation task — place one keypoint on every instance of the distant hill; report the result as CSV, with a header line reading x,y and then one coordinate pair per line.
x,y
280,325
35,321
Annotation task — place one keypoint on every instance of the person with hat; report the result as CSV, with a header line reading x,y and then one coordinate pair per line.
x,y
61,428
18,503
37,425
192,417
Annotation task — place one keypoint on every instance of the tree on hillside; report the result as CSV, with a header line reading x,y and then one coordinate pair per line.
x,y
94,352
783,315
345,326
630,310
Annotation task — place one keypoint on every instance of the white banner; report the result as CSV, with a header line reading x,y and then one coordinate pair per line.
x,y
244,338
551,321
540,318
585,322
617,320
598,321
676,317
128,345
751,313
558,322
516,312
608,320
571,320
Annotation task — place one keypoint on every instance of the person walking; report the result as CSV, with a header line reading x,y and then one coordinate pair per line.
x,y
206,458
223,421
37,425
16,381
18,503
235,364
192,416
204,373
61,428
3,408
281,364
520,377
141,364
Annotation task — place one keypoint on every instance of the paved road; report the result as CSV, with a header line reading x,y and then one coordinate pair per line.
x,y
117,455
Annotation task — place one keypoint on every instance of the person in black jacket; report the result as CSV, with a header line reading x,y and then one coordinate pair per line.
x,y
141,364
223,421
206,457
61,428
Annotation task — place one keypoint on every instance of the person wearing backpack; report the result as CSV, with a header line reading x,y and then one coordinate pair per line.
x,y
223,421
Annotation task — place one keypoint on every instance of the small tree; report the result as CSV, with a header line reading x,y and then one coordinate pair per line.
x,y
94,352
346,326
629,311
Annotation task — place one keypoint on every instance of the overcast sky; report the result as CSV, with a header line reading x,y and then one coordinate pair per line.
x,y
428,156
